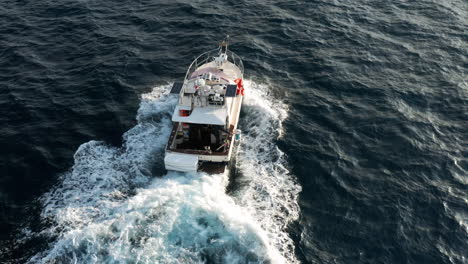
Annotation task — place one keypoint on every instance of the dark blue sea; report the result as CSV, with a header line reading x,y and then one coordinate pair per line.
x,y
354,148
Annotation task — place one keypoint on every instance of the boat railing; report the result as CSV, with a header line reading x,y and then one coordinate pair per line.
x,y
209,56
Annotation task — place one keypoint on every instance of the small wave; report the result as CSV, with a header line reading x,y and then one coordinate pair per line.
x,y
110,208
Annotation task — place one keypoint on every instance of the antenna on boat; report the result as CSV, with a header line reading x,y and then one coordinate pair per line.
x,y
223,45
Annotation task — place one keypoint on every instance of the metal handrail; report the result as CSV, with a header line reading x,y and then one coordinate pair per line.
x,y
209,56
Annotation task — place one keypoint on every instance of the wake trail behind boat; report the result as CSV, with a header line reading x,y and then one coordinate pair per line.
x,y
110,208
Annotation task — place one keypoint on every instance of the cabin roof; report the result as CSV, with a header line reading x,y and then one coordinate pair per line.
x,y
212,115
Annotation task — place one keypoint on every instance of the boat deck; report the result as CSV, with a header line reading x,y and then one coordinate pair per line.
x,y
229,69
191,147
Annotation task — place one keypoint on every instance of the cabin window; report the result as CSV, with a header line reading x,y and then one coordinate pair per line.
x,y
201,137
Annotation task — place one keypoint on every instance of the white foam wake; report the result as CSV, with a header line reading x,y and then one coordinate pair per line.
x,y
110,209
266,187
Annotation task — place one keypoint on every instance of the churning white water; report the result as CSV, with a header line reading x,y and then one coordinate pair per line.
x,y
110,208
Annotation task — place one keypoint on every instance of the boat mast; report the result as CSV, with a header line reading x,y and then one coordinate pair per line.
x,y
223,45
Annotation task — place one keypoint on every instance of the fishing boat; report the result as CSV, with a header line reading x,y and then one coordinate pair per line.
x,y
204,132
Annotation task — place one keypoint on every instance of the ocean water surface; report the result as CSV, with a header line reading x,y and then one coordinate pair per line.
x,y
355,133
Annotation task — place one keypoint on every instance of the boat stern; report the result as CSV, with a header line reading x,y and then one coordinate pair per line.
x,y
181,162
